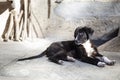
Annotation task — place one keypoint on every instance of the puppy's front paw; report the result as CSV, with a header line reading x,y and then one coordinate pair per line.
x,y
60,62
101,64
112,62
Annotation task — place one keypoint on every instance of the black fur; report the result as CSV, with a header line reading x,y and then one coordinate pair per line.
x,y
74,49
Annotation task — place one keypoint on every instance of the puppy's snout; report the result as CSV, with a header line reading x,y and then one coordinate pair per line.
x,y
76,41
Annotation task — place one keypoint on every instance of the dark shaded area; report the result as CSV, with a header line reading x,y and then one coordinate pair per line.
x,y
112,45
106,37
4,6
49,8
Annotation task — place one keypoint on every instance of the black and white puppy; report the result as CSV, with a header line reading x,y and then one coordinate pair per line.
x,y
81,48
87,51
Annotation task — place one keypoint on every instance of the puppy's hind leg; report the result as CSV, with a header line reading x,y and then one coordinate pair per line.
x,y
57,61
58,57
69,58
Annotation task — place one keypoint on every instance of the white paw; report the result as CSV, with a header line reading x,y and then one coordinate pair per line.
x,y
60,61
112,62
101,64
70,59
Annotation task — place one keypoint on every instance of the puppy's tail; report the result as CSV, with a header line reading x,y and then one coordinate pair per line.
x,y
33,57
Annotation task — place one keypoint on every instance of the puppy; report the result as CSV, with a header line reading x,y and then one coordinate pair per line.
x,y
81,48
87,51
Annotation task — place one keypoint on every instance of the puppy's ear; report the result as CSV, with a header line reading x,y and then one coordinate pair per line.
x,y
76,31
89,31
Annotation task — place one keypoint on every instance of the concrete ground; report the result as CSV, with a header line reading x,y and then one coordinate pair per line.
x,y
42,69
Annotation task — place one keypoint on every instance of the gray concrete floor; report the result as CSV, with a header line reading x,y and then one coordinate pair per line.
x,y
42,69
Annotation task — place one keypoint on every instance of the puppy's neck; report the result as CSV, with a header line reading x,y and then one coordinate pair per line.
x,y
87,43
88,47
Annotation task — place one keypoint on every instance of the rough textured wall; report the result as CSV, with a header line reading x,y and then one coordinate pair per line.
x,y
102,15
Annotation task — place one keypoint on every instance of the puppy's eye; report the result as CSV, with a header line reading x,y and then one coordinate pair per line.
x,y
80,34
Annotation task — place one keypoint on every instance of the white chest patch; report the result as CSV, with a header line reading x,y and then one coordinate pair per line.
x,y
87,45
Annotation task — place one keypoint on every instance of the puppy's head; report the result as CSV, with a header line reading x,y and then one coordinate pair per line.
x,y
81,35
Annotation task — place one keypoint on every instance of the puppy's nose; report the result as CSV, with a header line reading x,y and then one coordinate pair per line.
x,y
77,42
